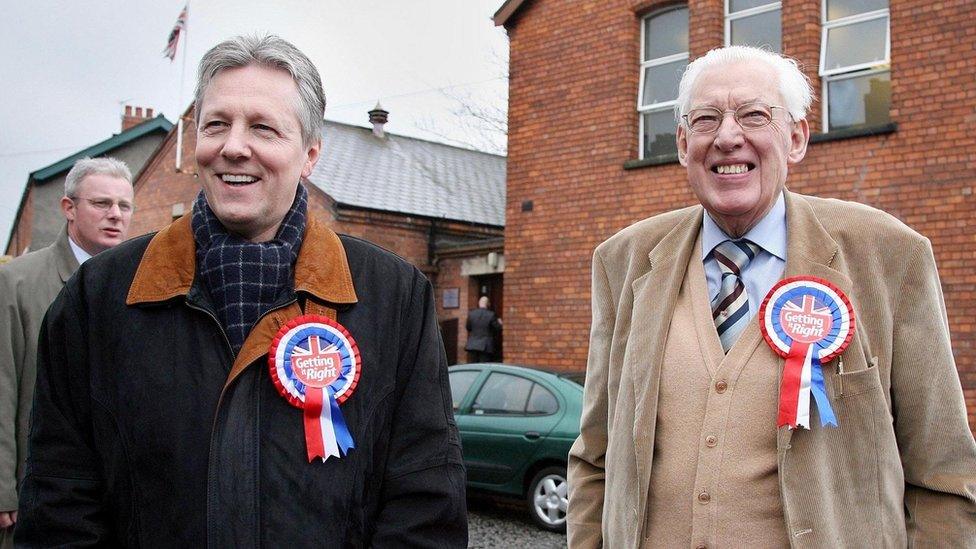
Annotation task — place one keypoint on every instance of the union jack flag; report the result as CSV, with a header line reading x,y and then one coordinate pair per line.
x,y
174,35
809,307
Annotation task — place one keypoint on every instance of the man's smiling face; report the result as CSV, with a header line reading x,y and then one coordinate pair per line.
x,y
738,174
250,150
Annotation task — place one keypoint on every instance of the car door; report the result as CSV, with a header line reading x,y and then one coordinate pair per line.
x,y
501,431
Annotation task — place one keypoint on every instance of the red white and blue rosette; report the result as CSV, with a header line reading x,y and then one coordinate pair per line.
x,y
808,321
314,363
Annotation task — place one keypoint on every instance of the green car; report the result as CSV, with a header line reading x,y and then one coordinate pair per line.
x,y
517,425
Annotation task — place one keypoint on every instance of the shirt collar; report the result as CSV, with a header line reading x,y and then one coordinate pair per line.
x,y
769,233
80,254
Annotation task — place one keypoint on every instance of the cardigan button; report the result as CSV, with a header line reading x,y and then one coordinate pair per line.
x,y
704,497
711,441
721,386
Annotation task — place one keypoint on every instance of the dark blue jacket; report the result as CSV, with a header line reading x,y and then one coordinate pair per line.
x,y
147,431
482,325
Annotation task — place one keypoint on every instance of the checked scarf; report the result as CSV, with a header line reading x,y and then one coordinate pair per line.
x,y
244,278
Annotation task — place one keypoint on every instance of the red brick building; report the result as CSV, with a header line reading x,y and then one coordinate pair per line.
x,y
440,207
591,151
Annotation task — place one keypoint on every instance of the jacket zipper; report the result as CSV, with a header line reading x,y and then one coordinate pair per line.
x,y
217,322
210,480
220,399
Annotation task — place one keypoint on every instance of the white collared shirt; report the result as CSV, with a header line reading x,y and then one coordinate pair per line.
x,y
762,273
80,254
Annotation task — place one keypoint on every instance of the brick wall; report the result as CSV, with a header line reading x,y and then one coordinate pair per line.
x,y
449,277
573,124
160,186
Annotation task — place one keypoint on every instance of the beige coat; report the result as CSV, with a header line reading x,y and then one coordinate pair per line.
x,y
28,285
901,468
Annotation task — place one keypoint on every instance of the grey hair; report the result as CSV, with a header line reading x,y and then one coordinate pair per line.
x,y
87,166
794,86
270,51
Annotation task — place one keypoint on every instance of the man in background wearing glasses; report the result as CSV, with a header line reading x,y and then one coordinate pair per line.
x,y
683,440
97,205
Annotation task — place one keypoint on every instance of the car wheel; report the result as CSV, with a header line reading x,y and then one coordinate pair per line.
x,y
547,498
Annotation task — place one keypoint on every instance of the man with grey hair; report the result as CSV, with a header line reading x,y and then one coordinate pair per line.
x,y
246,377
767,369
97,205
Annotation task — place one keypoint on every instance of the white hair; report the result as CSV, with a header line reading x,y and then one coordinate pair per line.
x,y
94,166
794,86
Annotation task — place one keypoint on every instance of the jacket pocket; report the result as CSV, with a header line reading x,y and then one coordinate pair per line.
x,y
849,384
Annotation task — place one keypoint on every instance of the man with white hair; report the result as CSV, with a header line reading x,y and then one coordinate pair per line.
x,y
767,369
246,377
97,205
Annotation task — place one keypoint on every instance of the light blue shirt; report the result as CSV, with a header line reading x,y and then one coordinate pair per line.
x,y
765,270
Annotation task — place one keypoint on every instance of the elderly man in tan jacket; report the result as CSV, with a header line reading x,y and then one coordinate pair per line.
x,y
97,206
696,431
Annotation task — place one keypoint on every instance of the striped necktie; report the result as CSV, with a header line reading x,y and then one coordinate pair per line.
x,y
730,308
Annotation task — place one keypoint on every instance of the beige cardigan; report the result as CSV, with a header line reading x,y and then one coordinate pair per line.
x,y
901,468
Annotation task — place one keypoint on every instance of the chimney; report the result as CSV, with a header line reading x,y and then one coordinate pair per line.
x,y
133,116
378,118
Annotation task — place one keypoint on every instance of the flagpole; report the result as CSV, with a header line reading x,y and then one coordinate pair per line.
x,y
179,123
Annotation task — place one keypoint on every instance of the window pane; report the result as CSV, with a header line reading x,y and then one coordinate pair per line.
x,y
739,5
844,8
661,82
761,30
659,133
460,383
541,401
855,44
859,102
503,394
666,34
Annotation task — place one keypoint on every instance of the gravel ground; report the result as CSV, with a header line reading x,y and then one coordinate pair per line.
x,y
505,524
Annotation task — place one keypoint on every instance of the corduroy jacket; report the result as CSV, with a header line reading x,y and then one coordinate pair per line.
x,y
148,431
899,470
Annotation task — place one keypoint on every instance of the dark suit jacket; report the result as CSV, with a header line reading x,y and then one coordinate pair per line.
x,y
482,326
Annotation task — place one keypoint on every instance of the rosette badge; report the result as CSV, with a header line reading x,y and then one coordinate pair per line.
x,y
315,365
808,321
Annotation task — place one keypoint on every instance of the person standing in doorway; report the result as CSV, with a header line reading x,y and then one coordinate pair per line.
x,y
483,326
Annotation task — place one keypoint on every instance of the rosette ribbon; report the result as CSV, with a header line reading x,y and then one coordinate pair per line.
x,y
808,321
315,365
326,433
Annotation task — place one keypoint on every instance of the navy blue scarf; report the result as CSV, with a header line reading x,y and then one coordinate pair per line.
x,y
245,278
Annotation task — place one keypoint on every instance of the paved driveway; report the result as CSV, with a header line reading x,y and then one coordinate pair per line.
x,y
504,524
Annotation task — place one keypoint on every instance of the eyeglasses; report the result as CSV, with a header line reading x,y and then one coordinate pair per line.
x,y
750,116
104,204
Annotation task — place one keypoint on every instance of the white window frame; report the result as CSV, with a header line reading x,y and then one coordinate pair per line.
x,y
660,105
729,17
829,79
851,71
826,26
